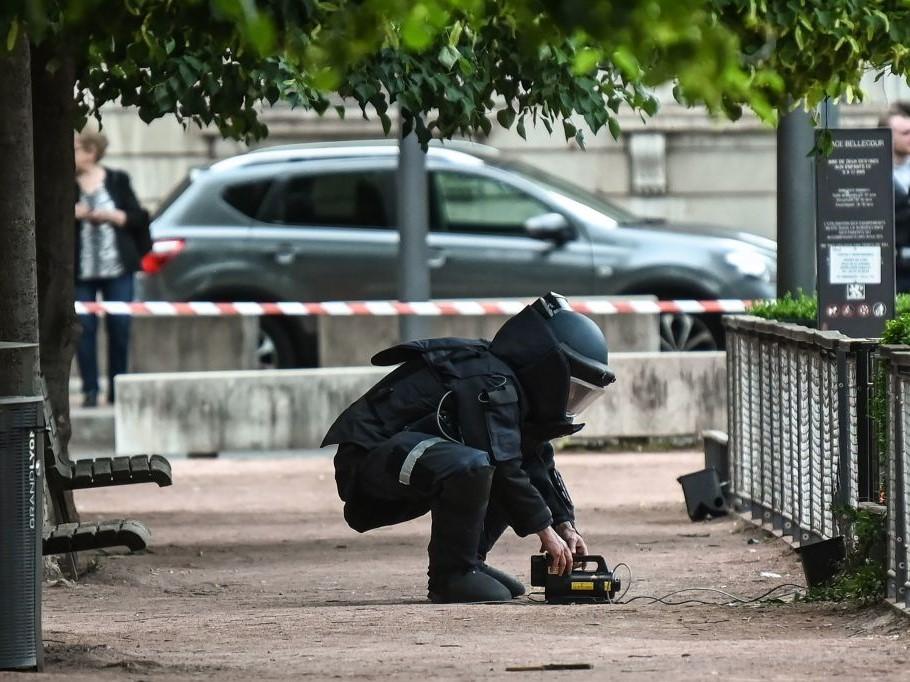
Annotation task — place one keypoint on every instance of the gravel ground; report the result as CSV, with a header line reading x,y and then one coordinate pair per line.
x,y
253,574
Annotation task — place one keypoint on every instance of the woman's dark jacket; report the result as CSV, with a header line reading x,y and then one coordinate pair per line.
x,y
133,239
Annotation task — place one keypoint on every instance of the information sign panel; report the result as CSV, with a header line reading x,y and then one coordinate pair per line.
x,y
855,233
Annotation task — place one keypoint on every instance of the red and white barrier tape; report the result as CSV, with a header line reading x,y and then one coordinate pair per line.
x,y
385,308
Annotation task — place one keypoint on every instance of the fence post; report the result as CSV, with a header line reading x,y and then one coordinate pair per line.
x,y
897,570
898,489
868,475
843,496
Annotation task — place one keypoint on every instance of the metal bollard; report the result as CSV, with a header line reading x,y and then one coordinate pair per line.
x,y
21,517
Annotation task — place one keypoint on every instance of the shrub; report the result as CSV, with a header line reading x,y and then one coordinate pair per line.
x,y
800,309
803,309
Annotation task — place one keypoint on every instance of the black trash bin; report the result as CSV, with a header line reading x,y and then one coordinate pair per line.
x,y
704,494
21,517
822,560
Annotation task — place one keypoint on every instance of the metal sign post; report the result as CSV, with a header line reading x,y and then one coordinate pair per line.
x,y
413,221
855,227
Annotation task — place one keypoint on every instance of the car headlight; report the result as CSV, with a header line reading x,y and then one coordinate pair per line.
x,y
749,263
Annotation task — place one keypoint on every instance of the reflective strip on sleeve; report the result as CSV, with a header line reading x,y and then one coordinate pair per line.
x,y
408,466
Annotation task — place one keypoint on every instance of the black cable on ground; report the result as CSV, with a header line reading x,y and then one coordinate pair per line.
x,y
736,599
628,582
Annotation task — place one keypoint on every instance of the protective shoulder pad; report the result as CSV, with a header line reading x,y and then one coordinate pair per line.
x,y
396,354
406,351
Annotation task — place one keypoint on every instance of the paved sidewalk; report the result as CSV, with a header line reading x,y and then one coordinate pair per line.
x,y
253,574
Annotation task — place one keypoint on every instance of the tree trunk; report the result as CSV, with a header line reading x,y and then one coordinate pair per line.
x,y
18,280
53,110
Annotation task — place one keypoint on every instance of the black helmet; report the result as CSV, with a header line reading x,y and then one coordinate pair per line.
x,y
559,356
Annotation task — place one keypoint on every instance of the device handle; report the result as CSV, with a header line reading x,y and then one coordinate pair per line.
x,y
596,558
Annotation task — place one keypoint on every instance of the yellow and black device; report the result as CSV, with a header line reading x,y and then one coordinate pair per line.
x,y
581,586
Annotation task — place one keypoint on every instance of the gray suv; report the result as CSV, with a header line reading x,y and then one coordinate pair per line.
x,y
316,222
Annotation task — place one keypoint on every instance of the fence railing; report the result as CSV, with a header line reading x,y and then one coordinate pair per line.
x,y
801,442
895,370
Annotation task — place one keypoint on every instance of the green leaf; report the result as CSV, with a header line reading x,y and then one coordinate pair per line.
x,y
416,31
455,34
454,94
326,80
626,62
520,128
449,56
195,62
466,67
186,73
506,117
386,122
615,129
147,114
12,35
586,61
262,34
569,130
650,105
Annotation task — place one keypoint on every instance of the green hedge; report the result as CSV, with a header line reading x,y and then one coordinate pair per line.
x,y
800,309
803,309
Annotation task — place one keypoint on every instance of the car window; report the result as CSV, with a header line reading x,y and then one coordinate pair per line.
x,y
352,199
480,205
571,190
247,197
173,195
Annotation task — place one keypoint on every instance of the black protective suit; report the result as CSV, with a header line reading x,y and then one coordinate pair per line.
x,y
462,428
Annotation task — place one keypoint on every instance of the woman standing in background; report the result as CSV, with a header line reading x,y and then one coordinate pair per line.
x,y
112,235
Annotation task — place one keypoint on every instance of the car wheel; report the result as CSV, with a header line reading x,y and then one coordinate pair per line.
x,y
680,332
275,349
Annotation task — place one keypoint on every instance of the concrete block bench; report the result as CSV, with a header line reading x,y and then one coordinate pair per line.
x,y
656,395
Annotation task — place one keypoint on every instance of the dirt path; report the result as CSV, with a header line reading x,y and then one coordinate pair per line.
x,y
253,574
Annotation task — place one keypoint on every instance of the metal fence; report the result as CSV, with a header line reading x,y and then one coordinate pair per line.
x,y
895,369
800,437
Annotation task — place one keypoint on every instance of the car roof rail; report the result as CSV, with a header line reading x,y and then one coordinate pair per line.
x,y
344,149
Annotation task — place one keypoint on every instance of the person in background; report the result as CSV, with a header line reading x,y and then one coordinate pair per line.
x,y
898,119
111,237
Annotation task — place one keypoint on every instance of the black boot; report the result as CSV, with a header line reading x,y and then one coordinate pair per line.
x,y
494,525
458,512
515,587
473,586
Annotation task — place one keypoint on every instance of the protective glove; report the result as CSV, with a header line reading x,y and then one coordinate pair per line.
x,y
556,547
567,531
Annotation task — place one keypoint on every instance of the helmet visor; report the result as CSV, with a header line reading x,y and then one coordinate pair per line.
x,y
581,395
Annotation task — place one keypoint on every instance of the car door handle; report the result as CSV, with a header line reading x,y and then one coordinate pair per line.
x,y
436,260
285,254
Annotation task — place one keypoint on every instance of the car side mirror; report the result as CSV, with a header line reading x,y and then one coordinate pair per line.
x,y
549,226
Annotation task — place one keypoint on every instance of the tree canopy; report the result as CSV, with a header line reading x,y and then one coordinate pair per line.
x,y
452,61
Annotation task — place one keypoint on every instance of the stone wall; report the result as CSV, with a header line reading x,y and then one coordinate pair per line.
x,y
342,339
655,395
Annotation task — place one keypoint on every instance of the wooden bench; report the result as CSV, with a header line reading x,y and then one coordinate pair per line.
x,y
64,475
